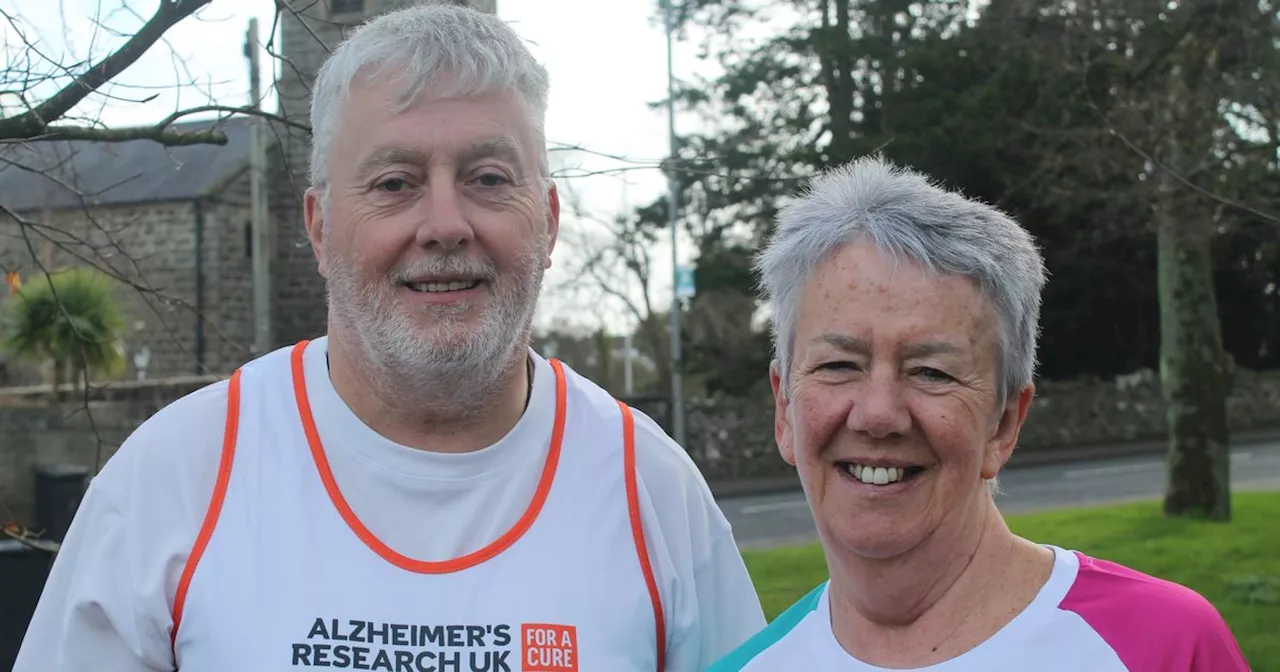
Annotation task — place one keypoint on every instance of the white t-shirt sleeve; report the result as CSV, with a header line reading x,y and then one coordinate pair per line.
x,y
106,605
713,603
732,610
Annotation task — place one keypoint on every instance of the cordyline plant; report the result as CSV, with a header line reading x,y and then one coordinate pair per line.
x,y
69,318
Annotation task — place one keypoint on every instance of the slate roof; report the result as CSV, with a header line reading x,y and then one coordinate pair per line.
x,y
108,173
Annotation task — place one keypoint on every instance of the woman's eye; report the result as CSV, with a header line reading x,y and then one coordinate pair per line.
x,y
933,375
492,180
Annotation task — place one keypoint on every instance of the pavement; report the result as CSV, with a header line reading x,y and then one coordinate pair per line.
x,y
780,516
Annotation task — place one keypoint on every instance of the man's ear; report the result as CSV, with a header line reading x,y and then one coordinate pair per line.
x,y
782,430
313,213
1004,438
553,219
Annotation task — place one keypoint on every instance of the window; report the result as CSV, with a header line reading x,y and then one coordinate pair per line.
x,y
346,6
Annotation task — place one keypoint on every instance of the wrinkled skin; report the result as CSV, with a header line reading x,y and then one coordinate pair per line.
x,y
895,366
446,190
891,361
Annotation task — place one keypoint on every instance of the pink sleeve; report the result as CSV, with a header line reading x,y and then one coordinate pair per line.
x,y
1153,625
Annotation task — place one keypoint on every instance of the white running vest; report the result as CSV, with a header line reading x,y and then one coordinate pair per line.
x,y
283,576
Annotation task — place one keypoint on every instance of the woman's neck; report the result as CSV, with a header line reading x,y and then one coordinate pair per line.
x,y
940,599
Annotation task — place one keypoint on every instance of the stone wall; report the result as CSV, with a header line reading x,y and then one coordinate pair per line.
x,y
730,438
38,430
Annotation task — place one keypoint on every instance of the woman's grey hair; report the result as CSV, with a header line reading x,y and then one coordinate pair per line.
x,y
905,214
448,49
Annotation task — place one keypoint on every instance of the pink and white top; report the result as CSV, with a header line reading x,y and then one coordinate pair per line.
x,y
1091,615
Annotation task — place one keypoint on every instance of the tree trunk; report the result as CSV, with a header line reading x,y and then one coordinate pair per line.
x,y
836,60
1193,370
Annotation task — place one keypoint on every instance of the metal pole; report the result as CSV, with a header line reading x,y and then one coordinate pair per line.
x,y
628,377
260,224
677,382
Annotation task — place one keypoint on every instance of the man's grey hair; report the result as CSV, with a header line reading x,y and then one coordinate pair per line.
x,y
906,215
448,49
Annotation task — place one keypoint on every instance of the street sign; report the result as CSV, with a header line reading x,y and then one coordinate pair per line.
x,y
684,282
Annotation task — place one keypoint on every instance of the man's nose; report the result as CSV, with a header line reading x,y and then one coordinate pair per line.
x,y
443,222
879,409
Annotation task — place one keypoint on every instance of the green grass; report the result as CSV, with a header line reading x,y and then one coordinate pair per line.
x,y
1235,566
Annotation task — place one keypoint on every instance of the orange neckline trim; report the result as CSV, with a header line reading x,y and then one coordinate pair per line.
x,y
373,542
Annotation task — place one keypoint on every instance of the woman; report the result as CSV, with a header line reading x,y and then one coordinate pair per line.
x,y
905,320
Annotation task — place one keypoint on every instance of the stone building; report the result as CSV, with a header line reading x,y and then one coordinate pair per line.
x,y
174,222
171,223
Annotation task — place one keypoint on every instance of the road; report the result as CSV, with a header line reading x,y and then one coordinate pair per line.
x,y
783,518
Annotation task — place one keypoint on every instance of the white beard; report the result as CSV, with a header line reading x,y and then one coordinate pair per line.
x,y
447,362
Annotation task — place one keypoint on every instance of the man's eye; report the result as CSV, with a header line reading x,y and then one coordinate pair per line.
x,y
838,366
393,184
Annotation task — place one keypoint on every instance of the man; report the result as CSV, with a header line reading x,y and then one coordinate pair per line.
x,y
417,490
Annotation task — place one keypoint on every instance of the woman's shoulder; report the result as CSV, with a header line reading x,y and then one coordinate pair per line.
x,y
1114,588
752,654
1151,623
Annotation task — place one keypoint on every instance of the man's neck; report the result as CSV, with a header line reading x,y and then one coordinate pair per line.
x,y
430,417
940,599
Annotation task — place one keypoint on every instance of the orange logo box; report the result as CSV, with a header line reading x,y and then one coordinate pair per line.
x,y
549,648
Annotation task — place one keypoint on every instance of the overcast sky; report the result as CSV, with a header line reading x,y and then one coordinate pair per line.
x,y
607,62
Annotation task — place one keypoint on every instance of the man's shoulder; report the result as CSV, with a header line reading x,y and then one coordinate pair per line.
x,y
672,481
757,647
199,406
182,439
669,480
657,454
188,432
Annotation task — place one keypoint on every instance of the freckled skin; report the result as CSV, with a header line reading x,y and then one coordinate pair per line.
x,y
890,361
937,410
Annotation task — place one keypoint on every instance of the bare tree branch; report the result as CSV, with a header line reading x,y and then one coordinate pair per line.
x,y
1182,179
245,111
29,539
36,122
285,6
159,132
167,137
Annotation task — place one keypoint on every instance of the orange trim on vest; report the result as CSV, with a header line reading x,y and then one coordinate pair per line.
x,y
404,562
637,529
215,507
